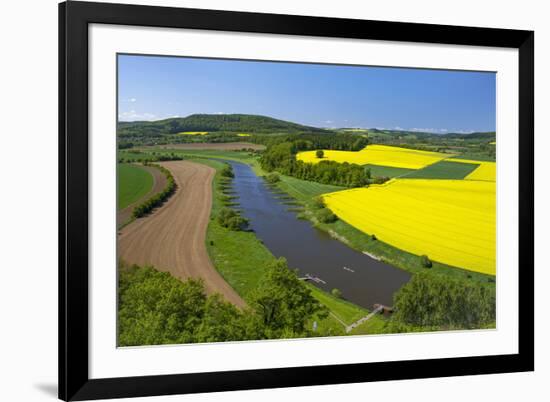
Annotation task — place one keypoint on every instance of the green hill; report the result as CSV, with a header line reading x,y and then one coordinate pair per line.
x,y
238,123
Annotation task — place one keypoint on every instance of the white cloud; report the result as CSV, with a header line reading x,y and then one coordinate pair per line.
x,y
132,100
329,121
132,115
430,130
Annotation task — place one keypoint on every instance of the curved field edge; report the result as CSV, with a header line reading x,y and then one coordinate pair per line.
x,y
239,257
151,201
453,220
341,230
134,182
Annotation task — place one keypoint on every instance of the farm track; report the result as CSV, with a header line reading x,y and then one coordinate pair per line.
x,y
220,146
159,183
172,238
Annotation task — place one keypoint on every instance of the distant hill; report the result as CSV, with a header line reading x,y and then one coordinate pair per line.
x,y
242,123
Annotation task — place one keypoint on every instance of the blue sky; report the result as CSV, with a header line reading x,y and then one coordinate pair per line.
x,y
153,88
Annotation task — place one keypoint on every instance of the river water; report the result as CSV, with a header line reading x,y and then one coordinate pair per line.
x,y
362,279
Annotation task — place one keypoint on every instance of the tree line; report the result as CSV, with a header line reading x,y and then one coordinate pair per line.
x,y
282,158
156,308
429,300
158,199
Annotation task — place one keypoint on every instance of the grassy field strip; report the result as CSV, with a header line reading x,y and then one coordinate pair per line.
x,y
239,256
445,169
134,182
486,171
387,171
381,155
305,190
451,221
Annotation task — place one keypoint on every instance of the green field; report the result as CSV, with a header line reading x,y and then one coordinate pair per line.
x,y
133,183
443,170
387,171
304,190
475,157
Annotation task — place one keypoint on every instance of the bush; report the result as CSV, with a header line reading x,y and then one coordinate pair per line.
x,y
326,216
227,171
229,218
336,293
434,300
319,154
158,199
373,237
425,261
318,202
272,178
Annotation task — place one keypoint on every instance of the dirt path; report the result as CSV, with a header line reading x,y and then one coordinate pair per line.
x,y
159,183
223,146
173,237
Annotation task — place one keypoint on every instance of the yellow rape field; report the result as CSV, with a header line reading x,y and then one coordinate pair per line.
x,y
193,133
243,135
382,155
486,171
451,221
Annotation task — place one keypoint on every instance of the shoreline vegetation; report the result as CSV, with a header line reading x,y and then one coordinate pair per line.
x,y
438,296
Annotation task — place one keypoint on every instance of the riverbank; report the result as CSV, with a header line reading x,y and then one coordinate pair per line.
x,y
304,193
240,256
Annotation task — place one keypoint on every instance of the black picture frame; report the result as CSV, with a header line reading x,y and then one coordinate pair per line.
x,y
74,18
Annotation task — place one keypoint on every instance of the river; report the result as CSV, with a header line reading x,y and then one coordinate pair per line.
x,y
362,280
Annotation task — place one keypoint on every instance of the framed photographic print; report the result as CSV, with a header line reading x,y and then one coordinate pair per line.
x,y
257,200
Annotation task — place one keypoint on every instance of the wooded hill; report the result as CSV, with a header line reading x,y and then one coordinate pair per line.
x,y
238,123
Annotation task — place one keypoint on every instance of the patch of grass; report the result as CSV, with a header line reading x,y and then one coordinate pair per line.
x,y
475,156
134,182
444,170
387,171
303,190
344,310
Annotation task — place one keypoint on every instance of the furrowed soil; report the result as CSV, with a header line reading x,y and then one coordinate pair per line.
x,y
172,238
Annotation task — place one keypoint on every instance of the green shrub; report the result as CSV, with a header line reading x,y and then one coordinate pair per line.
x,y
227,171
318,202
272,178
229,218
336,293
436,300
159,198
319,154
425,261
326,216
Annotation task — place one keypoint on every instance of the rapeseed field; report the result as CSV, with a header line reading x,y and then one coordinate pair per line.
x,y
450,221
381,155
486,171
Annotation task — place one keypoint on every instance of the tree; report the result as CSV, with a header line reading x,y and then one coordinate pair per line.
x,y
320,154
229,218
425,261
283,305
272,178
326,216
435,300
336,293
227,171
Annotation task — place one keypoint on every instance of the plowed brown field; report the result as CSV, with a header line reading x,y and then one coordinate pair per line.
x,y
172,238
